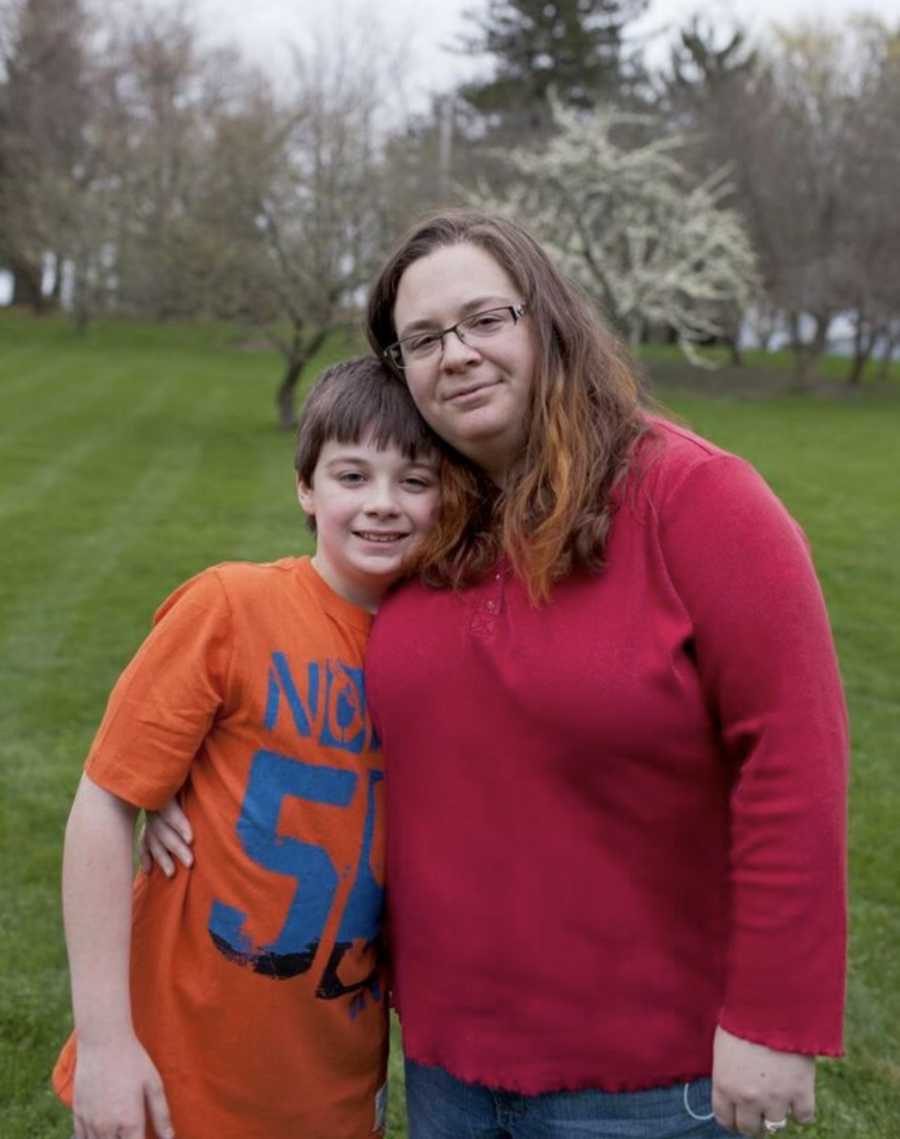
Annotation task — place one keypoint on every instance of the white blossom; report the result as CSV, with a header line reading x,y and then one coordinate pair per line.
x,y
645,238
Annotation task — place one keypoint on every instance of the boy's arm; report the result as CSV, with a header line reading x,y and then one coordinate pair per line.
x,y
116,1083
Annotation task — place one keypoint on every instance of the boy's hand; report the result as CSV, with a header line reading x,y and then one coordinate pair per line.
x,y
116,1087
753,1085
165,833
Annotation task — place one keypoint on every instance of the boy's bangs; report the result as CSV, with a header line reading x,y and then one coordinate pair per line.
x,y
357,401
384,416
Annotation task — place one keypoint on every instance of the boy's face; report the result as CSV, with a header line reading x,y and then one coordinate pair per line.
x,y
371,507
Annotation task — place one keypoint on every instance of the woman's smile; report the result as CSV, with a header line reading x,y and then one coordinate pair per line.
x,y
476,397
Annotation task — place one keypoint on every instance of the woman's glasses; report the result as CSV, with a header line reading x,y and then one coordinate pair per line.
x,y
472,330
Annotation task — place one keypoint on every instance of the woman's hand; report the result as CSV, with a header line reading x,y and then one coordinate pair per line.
x,y
117,1088
165,833
753,1084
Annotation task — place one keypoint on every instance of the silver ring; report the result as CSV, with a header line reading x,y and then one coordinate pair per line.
x,y
774,1125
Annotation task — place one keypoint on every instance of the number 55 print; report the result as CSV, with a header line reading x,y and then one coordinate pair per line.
x,y
273,778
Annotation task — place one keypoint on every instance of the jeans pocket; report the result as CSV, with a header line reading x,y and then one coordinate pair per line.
x,y
697,1098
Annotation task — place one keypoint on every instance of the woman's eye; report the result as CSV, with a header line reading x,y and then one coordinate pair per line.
x,y
423,343
486,322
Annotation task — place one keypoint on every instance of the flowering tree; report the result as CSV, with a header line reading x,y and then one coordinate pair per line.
x,y
652,244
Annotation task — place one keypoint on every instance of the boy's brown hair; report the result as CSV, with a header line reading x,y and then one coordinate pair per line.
x,y
355,400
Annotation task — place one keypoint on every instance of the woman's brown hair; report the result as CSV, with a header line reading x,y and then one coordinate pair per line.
x,y
553,513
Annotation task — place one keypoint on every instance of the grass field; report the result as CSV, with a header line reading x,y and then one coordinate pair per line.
x,y
135,456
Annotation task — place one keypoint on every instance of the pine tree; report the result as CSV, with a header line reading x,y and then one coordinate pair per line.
x,y
572,49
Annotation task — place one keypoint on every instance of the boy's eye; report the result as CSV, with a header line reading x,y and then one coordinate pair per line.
x,y
350,478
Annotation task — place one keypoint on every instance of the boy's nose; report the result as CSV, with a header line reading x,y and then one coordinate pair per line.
x,y
381,500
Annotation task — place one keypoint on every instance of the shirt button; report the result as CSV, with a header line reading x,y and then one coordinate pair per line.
x,y
491,606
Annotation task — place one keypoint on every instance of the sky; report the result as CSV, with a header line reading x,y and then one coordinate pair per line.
x,y
421,31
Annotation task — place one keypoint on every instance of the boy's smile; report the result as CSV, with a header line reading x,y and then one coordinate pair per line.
x,y
370,507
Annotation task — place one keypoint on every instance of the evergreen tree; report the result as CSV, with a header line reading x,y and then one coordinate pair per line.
x,y
572,48
701,67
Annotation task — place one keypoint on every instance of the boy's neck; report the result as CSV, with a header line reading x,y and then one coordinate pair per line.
x,y
364,596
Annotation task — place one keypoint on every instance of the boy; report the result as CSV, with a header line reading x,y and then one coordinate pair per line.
x,y
255,1008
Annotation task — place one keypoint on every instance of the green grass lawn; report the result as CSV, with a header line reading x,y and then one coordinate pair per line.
x,y
134,456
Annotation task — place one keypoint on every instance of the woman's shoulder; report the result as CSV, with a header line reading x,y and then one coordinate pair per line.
x,y
675,468
675,447
679,475
668,454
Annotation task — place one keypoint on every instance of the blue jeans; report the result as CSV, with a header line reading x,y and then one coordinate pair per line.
x,y
441,1107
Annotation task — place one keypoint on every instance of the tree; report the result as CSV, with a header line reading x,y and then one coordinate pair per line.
x,y
573,50
806,124
701,63
870,224
651,244
816,147
168,91
44,99
697,93
295,190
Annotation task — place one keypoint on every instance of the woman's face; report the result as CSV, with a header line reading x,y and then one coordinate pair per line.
x,y
475,397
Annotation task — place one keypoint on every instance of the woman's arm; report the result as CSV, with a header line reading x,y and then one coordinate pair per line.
x,y
166,834
116,1083
767,665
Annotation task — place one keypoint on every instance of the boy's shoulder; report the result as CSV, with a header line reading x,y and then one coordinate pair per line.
x,y
267,594
253,576
228,584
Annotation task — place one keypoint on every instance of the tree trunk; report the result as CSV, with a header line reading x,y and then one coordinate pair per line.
x,y
297,355
55,298
857,367
26,285
862,350
887,356
284,397
808,354
81,297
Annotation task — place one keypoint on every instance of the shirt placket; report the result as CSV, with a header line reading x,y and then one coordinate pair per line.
x,y
488,607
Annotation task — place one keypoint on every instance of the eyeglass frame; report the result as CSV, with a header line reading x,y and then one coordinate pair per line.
x,y
396,361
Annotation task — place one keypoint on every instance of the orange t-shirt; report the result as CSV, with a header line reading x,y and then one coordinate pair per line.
x,y
256,984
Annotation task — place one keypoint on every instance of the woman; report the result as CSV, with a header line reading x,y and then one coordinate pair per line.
x,y
616,746
615,737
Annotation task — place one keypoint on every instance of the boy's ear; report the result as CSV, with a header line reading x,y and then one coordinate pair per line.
x,y
305,497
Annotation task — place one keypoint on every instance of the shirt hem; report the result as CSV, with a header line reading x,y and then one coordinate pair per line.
x,y
520,1085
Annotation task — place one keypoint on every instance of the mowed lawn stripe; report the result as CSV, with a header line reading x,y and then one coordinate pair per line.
x,y
55,458
38,618
54,400
24,362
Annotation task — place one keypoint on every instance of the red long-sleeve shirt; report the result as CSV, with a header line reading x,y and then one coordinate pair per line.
x,y
617,820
